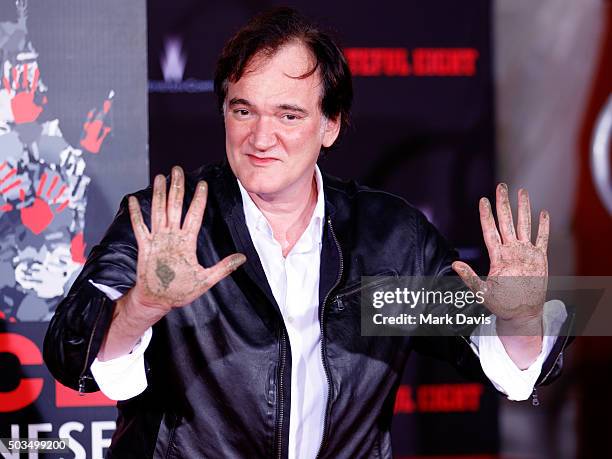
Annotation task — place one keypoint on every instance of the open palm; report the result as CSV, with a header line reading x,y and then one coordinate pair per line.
x,y
168,272
516,285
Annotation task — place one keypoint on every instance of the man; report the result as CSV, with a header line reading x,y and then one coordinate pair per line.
x,y
223,335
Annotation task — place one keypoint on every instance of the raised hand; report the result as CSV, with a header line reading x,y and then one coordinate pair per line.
x,y
52,197
23,104
168,272
95,129
515,289
9,183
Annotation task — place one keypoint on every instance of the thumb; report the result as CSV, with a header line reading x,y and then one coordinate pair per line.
x,y
209,277
468,276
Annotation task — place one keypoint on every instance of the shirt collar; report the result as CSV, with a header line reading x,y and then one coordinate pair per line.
x,y
256,222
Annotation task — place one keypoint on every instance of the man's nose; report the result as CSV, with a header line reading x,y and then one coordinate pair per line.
x,y
263,133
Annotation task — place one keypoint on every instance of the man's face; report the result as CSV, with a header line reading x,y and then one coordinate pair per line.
x,y
274,128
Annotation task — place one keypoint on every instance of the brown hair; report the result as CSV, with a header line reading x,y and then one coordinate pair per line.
x,y
266,33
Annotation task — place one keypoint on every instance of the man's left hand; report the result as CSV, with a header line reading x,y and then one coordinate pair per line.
x,y
515,289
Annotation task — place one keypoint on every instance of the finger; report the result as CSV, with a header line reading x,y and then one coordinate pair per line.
x,y
543,231
158,204
60,193
468,276
35,80
24,77
193,219
106,106
489,229
138,225
175,198
523,227
52,186
504,214
224,268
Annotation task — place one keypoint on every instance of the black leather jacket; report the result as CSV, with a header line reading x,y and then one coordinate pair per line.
x,y
218,370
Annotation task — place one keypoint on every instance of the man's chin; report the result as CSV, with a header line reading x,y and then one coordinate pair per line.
x,y
261,180
261,186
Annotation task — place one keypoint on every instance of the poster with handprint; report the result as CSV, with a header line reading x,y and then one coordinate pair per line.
x,y
56,152
73,142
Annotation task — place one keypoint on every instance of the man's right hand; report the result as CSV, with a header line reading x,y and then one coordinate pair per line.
x,y
168,274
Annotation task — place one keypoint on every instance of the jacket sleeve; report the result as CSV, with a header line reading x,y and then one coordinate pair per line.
x,y
81,320
437,257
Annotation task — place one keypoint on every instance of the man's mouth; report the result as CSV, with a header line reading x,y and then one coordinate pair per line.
x,y
261,161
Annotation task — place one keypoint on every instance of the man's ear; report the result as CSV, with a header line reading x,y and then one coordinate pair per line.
x,y
331,129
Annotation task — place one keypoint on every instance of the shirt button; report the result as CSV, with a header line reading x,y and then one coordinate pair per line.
x,y
290,319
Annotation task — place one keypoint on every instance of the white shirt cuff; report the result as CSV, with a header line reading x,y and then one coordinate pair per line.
x,y
517,384
110,292
123,377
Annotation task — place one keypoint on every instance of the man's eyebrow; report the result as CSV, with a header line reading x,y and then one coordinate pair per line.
x,y
293,108
237,101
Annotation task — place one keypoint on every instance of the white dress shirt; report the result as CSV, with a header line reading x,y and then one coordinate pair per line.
x,y
294,281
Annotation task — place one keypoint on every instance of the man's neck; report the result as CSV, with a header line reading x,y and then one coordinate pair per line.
x,y
289,213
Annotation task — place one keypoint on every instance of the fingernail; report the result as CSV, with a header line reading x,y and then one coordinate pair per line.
x,y
503,188
236,261
545,214
485,202
202,186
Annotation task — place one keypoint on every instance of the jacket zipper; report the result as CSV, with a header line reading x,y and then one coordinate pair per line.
x,y
535,401
370,285
323,351
281,407
82,376
563,346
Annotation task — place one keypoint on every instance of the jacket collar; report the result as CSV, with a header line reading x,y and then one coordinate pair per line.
x,y
230,199
227,193
256,222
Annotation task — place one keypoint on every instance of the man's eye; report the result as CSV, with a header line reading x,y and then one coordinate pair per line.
x,y
290,117
241,112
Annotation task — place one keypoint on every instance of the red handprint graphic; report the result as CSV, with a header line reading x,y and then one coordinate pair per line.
x,y
41,213
24,107
94,129
7,183
77,248
43,184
